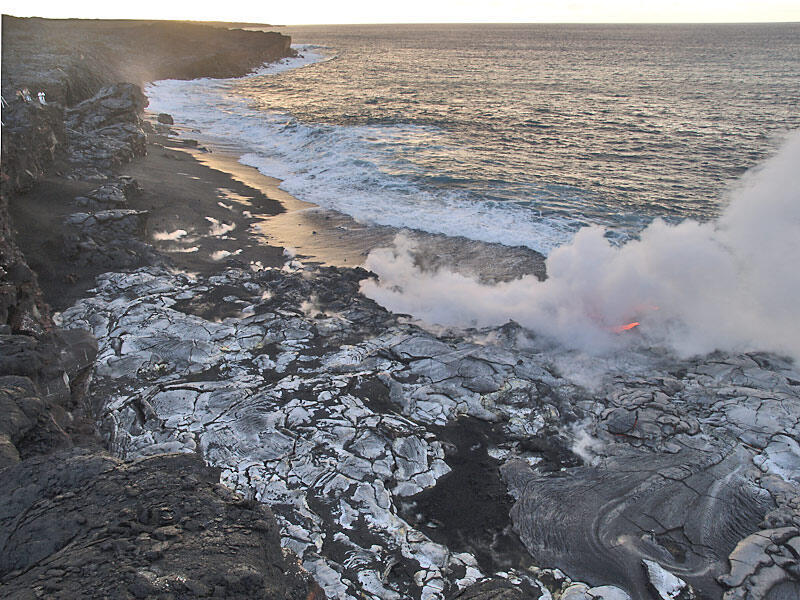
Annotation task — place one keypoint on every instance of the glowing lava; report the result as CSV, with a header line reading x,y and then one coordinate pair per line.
x,y
643,308
627,327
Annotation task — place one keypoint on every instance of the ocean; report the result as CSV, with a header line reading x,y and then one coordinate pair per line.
x,y
513,134
654,166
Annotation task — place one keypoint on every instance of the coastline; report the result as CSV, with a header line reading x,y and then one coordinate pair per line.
x,y
318,235
327,237
177,191
473,464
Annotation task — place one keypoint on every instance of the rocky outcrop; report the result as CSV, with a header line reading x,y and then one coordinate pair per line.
x,y
73,62
114,194
108,239
105,131
22,306
33,134
88,118
109,235
89,122
42,387
99,134
28,423
73,520
87,525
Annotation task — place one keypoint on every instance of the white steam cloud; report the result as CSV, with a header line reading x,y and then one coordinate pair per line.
x,y
732,284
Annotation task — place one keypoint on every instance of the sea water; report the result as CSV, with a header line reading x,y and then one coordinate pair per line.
x,y
513,134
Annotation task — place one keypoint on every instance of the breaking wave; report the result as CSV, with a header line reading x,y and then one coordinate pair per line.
x,y
362,170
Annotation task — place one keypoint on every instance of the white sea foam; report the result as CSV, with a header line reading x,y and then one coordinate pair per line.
x,y
219,228
220,254
732,284
307,54
351,169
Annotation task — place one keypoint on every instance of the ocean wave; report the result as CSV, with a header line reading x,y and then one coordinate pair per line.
x,y
307,54
368,172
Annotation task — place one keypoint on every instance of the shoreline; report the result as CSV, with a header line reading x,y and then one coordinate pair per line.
x,y
321,236
327,237
398,463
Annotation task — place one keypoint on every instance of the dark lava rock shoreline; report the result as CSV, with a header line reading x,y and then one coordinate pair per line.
x,y
74,521
390,462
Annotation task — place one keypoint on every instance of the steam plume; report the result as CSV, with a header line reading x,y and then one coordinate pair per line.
x,y
732,284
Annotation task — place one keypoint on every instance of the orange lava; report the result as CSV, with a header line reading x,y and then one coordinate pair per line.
x,y
627,327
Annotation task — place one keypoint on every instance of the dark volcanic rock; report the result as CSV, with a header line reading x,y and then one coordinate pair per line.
x,y
32,135
74,62
758,566
105,131
22,307
492,589
112,236
90,526
118,103
109,238
79,523
26,424
652,478
671,509
48,359
315,400
28,146
106,225
114,194
42,382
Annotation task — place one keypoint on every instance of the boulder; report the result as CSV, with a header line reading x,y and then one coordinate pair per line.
x,y
33,134
110,239
105,131
114,194
107,225
113,104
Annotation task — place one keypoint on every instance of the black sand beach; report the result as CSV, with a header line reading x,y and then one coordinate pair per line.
x,y
177,191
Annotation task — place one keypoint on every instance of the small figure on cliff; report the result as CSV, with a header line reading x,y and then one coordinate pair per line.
x,y
41,98
25,94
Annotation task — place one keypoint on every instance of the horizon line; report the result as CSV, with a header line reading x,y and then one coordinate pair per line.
x,y
255,24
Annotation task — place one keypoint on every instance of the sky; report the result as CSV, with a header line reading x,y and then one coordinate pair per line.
x,y
421,11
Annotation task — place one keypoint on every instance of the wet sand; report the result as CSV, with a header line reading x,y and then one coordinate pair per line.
x,y
316,234
201,217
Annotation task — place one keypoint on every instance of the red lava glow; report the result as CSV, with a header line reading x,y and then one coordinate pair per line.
x,y
627,327
632,324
